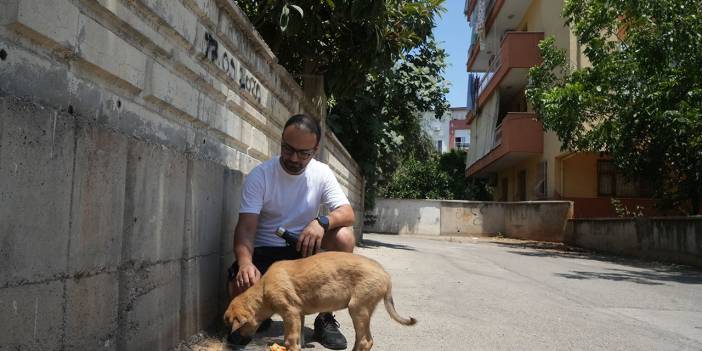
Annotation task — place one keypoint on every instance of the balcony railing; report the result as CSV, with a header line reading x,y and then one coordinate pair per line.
x,y
487,77
462,146
498,136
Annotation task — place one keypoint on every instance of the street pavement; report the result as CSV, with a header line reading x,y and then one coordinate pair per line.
x,y
501,294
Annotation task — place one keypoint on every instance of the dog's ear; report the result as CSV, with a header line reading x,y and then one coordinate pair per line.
x,y
237,322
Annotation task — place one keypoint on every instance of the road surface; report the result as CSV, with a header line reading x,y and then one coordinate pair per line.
x,y
500,294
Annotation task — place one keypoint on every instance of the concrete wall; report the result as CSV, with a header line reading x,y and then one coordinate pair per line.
x,y
126,129
534,220
672,239
406,217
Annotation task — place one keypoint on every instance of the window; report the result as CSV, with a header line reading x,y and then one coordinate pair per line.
x,y
605,178
438,145
461,143
611,182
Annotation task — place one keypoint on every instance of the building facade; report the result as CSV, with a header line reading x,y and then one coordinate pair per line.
x,y
510,147
450,132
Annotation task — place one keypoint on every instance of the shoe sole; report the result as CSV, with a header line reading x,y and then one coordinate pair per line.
x,y
331,347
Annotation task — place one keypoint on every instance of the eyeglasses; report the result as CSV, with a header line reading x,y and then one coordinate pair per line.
x,y
301,154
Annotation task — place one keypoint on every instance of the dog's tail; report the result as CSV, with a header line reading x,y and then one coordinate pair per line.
x,y
390,307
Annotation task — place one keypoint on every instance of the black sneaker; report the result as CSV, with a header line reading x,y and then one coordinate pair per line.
x,y
235,338
326,331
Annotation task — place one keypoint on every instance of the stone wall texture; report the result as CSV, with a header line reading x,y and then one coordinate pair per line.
x,y
126,130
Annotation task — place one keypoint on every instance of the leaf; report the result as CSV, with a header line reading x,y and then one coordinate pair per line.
x,y
299,9
284,18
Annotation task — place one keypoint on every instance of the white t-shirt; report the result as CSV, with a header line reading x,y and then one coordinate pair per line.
x,y
290,201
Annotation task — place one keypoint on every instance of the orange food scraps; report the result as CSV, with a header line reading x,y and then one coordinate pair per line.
x,y
276,347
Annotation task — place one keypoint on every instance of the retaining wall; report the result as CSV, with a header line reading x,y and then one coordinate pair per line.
x,y
126,129
671,239
531,220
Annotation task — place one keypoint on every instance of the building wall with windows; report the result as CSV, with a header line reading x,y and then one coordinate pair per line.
x,y
443,132
510,147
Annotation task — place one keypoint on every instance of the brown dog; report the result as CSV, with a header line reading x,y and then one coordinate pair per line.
x,y
325,282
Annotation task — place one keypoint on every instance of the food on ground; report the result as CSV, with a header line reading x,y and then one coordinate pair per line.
x,y
276,347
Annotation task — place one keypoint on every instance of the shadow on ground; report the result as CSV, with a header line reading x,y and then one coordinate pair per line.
x,y
215,338
372,244
635,270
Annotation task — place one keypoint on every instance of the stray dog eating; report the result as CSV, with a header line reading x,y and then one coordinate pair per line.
x,y
325,282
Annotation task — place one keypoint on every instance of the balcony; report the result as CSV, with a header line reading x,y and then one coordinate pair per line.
x,y
519,51
498,17
519,137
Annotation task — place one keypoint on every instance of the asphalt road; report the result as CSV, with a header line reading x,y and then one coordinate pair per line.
x,y
477,294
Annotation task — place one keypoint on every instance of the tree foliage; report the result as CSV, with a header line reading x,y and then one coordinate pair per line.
x,y
462,188
418,179
641,100
381,124
438,176
342,40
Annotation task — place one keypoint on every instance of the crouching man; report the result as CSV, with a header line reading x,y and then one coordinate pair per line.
x,y
287,191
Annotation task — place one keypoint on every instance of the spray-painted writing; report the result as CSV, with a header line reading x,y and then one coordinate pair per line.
x,y
212,51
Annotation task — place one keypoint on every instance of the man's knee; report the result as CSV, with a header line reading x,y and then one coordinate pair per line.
x,y
341,239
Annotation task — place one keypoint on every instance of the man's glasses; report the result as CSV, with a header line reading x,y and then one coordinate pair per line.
x,y
301,154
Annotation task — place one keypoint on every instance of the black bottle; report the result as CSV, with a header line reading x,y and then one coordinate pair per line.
x,y
288,236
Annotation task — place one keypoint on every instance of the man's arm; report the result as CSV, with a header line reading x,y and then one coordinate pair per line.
x,y
244,237
311,237
342,216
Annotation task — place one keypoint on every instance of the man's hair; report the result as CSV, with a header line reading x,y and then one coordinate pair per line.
x,y
306,123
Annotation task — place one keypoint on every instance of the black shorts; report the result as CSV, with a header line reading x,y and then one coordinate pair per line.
x,y
264,257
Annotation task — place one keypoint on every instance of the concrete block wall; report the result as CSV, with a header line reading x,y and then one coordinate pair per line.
x,y
529,220
671,239
126,130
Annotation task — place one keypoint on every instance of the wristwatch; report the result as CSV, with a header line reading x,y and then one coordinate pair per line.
x,y
324,222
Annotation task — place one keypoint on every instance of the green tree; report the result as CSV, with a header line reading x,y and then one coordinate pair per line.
x,y
641,100
436,176
418,179
342,40
462,188
380,125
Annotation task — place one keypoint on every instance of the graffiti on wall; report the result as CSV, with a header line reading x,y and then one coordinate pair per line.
x,y
469,215
211,50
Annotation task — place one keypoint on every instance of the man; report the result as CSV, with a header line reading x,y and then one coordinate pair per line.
x,y
287,191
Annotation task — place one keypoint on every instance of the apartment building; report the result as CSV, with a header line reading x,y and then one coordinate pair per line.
x,y
450,132
510,146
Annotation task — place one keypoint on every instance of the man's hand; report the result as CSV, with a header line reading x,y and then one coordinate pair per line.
x,y
248,275
310,239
